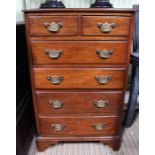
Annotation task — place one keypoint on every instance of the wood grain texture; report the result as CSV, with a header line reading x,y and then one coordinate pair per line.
x,y
78,125
44,142
90,25
30,67
78,78
78,102
37,27
79,52
79,66
80,38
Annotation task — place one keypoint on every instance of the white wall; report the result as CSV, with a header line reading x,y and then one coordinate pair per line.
x,y
22,4
86,3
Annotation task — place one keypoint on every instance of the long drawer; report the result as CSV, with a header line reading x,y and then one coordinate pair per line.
x,y
106,25
80,78
79,52
79,125
75,102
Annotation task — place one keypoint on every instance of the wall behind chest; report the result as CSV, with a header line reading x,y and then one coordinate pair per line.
x,y
23,4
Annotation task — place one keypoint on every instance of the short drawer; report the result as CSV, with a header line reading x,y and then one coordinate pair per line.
x,y
106,25
74,102
82,78
79,125
79,52
53,25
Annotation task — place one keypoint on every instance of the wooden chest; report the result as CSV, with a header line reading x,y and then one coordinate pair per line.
x,y
78,62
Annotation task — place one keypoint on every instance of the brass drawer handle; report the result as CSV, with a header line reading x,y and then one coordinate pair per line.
x,y
104,54
53,27
57,127
101,103
99,126
55,79
103,79
56,104
53,54
106,27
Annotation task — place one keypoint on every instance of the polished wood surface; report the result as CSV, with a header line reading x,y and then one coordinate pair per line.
x,y
37,25
83,102
79,78
46,141
79,125
78,64
79,52
121,28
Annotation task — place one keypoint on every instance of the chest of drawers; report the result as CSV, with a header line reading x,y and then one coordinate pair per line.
x,y
78,61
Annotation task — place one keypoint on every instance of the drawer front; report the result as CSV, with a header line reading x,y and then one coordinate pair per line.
x,y
86,125
106,25
69,102
53,25
83,52
82,78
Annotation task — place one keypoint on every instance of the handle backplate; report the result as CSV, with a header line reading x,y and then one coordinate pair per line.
x,y
53,27
99,126
101,103
106,27
104,54
57,127
56,104
55,79
103,79
53,54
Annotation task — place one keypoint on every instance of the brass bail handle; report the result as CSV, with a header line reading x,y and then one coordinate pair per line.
x,y
53,54
53,27
104,54
58,127
99,126
56,104
103,79
101,103
106,27
55,79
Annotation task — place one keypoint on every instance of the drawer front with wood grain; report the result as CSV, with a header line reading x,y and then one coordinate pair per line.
x,y
79,78
53,25
75,102
79,125
79,52
78,66
106,25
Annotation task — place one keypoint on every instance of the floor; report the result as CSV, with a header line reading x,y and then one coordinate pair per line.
x,y
129,146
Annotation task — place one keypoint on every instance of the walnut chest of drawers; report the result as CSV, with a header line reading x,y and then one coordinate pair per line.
x,y
78,62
